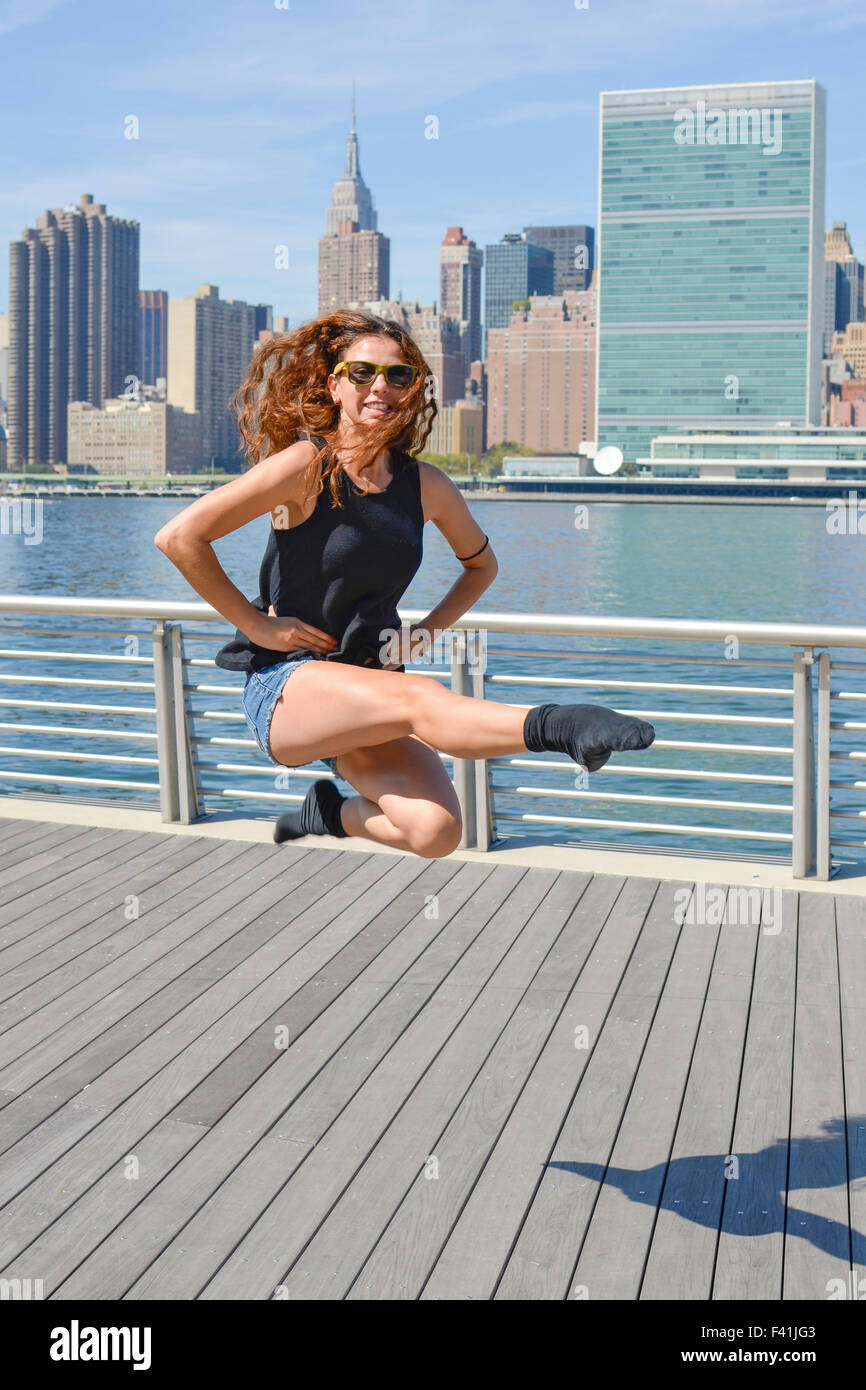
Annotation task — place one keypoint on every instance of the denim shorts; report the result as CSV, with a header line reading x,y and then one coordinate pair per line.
x,y
261,693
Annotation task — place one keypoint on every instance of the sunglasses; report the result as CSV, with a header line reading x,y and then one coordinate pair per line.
x,y
399,374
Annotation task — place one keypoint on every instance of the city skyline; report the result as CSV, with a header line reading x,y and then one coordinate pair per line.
x,y
235,158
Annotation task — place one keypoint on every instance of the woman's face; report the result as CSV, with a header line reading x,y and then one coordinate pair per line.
x,y
376,400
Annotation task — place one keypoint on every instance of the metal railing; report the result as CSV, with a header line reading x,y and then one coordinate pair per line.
x,y
767,721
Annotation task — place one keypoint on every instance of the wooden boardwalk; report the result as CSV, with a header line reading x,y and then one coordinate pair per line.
x,y
242,1071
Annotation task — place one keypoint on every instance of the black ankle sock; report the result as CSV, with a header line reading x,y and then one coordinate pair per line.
x,y
319,815
587,733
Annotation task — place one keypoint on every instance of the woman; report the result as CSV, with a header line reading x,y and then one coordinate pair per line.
x,y
332,416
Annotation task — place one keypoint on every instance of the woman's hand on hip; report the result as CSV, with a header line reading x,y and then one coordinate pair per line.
x,y
293,634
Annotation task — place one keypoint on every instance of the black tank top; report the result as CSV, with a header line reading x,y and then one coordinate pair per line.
x,y
342,570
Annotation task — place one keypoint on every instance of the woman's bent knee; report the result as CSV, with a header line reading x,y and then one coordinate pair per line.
x,y
434,834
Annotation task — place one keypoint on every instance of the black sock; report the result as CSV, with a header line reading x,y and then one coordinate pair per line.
x,y
587,733
319,815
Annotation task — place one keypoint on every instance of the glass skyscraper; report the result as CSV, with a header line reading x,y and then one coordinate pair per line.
x,y
514,269
711,256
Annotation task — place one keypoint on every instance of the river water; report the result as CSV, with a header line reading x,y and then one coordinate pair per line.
x,y
733,563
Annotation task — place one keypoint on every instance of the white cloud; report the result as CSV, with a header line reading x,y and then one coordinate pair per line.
x,y
15,15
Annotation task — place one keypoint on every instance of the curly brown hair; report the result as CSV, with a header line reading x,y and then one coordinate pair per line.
x,y
286,392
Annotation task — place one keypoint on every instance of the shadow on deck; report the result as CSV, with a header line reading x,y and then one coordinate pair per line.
x,y
242,1071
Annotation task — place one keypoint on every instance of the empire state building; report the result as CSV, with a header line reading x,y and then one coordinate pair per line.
x,y
354,257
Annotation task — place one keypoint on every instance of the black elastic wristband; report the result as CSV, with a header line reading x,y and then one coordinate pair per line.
x,y
461,558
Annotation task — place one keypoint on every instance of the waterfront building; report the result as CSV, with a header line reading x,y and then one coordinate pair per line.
x,y
130,438
514,269
460,262
458,429
354,257
73,323
805,454
573,254
541,373
710,259
211,342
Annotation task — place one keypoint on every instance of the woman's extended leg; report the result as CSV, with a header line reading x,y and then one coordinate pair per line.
x,y
328,708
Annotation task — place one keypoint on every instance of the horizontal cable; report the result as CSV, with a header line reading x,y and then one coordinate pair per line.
x,y
677,716
78,656
710,803
599,683
80,757
778,779
656,829
847,695
660,658
146,635
9,776
71,731
769,749
848,724
93,683
88,709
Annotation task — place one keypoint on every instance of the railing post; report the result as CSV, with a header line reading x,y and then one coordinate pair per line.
x,y
169,801
803,847
189,807
822,806
463,781
483,828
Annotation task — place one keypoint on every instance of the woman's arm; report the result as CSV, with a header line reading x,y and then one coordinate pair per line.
x,y
448,510
186,539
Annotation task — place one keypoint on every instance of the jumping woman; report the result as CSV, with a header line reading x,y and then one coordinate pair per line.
x,y
333,415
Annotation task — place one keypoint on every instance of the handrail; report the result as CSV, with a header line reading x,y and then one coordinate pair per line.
x,y
182,755
552,624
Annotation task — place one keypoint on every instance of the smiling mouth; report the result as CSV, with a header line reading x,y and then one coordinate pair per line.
x,y
380,407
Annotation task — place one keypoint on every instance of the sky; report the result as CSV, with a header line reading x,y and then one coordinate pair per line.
x,y
242,109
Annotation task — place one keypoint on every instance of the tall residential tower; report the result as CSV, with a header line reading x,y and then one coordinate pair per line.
x,y
73,323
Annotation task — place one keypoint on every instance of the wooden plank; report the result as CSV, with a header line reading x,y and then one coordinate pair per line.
x,y
169,1083
703,1172
69,1205
52,869
489,1162
82,916
227,1082
851,937
617,1243
817,1234
98,927
11,826
479,928
618,992
751,1239
187,1185
20,860
209,929
458,1135
198,922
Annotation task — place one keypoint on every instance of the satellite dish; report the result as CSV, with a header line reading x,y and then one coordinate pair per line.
x,y
608,460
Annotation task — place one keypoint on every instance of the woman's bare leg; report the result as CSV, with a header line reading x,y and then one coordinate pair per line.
x,y
407,799
328,707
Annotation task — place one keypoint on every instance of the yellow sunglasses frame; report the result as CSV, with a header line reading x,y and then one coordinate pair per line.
x,y
380,367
